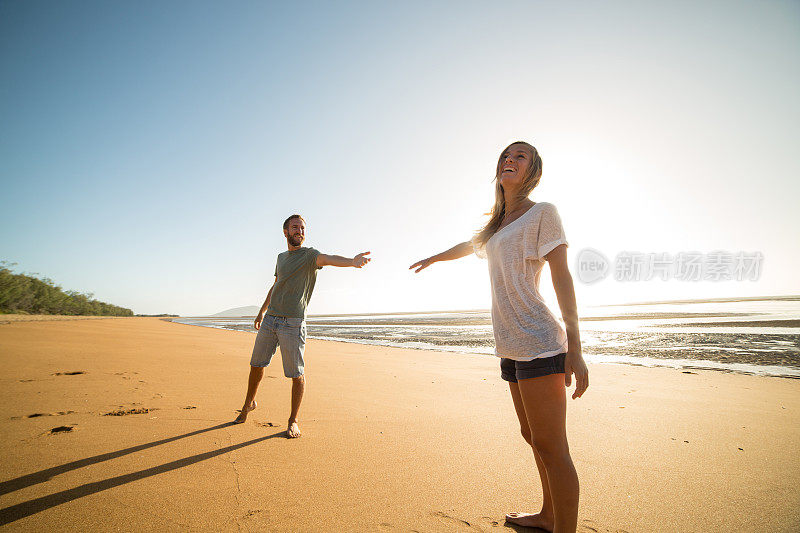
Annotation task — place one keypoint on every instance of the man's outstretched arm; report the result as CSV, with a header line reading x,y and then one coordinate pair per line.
x,y
339,261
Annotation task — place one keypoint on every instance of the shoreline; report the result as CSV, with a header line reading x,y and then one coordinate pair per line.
x,y
683,364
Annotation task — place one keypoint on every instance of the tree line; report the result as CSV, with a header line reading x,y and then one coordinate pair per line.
x,y
21,293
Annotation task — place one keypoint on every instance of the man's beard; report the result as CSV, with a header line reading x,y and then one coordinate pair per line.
x,y
296,240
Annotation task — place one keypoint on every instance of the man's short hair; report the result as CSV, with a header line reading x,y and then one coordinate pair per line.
x,y
286,222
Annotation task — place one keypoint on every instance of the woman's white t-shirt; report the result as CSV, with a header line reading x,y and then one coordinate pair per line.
x,y
524,327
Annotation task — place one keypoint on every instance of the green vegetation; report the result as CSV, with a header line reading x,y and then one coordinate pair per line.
x,y
20,293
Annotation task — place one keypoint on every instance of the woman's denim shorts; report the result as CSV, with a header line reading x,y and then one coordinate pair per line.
x,y
513,371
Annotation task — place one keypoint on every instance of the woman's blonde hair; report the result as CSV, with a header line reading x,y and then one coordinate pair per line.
x,y
529,181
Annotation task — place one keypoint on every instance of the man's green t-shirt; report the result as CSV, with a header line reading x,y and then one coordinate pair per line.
x,y
295,275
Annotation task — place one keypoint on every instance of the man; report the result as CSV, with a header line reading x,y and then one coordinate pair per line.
x,y
281,320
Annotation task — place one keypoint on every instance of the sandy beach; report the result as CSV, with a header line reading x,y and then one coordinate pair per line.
x,y
394,439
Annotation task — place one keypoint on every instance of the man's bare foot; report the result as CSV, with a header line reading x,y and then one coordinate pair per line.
x,y
294,430
532,520
243,413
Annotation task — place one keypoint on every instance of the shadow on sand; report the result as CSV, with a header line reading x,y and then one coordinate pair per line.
x,y
21,510
523,529
44,475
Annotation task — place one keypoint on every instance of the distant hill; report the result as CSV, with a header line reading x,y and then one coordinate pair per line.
x,y
250,310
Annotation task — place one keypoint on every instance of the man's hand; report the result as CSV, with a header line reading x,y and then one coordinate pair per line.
x,y
359,260
257,323
574,362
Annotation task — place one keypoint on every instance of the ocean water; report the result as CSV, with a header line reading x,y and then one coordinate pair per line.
x,y
747,336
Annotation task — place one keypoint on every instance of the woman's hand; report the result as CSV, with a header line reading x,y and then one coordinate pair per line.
x,y
425,263
458,251
574,362
257,323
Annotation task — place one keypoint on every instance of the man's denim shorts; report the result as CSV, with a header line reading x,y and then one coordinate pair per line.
x,y
513,371
286,332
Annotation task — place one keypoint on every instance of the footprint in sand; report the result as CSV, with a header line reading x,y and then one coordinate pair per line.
x,y
386,526
591,525
133,411
451,520
490,521
60,413
190,407
61,429
265,424
75,373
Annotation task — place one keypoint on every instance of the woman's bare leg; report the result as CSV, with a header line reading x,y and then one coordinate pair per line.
x,y
543,519
545,402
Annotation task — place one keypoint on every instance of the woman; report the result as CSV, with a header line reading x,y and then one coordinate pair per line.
x,y
537,355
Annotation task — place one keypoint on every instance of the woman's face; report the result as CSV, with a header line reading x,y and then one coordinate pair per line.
x,y
514,164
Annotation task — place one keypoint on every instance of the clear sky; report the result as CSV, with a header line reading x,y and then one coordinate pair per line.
x,y
150,151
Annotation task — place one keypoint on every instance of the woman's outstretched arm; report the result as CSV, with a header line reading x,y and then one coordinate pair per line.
x,y
456,252
565,292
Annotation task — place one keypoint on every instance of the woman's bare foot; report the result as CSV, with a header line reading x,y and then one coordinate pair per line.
x,y
243,413
294,430
538,520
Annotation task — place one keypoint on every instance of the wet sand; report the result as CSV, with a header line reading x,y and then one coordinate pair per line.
x,y
486,320
790,323
122,424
